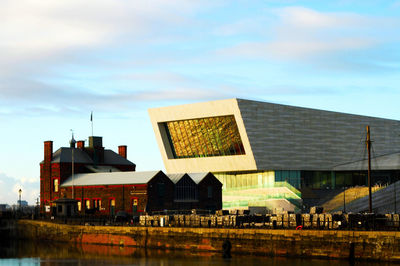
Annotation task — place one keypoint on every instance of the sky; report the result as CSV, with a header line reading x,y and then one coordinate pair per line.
x,y
61,60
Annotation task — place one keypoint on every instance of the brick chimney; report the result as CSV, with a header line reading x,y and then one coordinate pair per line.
x,y
122,150
80,144
48,151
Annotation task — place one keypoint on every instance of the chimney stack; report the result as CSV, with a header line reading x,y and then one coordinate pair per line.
x,y
48,151
95,142
122,150
80,144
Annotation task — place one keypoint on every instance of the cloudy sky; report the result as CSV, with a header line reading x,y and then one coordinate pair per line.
x,y
60,60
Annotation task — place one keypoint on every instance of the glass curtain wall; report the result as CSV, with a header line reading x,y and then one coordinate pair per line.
x,y
204,137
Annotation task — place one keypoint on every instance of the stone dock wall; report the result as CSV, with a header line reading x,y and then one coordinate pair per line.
x,y
369,245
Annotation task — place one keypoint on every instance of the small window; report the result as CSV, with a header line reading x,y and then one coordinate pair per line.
x,y
79,205
210,192
55,185
87,204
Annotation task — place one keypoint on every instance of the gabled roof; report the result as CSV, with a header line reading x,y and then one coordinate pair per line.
x,y
383,162
110,178
198,177
175,177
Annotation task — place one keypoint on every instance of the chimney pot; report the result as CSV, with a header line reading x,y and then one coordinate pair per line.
x,y
122,151
95,142
80,144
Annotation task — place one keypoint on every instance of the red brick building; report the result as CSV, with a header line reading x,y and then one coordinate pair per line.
x,y
105,182
132,192
57,166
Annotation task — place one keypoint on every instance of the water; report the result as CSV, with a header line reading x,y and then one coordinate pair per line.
x,y
50,253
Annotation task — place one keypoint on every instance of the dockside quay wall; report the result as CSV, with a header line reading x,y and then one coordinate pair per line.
x,y
369,245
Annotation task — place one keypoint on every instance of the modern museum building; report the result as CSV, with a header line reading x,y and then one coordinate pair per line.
x,y
267,155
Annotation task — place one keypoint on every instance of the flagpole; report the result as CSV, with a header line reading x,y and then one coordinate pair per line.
x,y
72,145
91,120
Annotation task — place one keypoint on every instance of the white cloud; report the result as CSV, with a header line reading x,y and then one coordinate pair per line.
x,y
297,49
33,29
301,17
302,34
40,37
184,93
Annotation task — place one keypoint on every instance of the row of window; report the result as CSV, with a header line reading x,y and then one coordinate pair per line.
x,y
203,137
96,203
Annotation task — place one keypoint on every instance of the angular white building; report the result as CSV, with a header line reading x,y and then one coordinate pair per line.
x,y
264,153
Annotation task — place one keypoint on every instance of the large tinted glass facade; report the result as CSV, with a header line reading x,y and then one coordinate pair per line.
x,y
204,137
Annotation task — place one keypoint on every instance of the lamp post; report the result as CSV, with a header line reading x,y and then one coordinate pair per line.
x,y
20,192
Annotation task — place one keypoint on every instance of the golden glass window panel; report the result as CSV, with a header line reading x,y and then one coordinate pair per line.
x,y
204,137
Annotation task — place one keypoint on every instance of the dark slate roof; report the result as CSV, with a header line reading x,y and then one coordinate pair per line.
x,y
64,155
111,157
383,162
113,178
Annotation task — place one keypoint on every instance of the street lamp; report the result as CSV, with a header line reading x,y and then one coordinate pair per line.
x,y
20,192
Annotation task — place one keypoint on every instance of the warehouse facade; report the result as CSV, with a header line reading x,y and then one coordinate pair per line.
x,y
143,192
264,153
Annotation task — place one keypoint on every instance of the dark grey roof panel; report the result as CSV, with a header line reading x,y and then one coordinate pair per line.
x,y
111,157
294,138
65,155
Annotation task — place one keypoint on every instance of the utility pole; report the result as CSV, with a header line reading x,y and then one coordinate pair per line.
x,y
368,142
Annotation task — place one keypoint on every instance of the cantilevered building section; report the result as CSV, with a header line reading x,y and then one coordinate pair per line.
x,y
263,152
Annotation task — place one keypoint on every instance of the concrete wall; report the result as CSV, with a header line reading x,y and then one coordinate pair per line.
x,y
202,164
301,243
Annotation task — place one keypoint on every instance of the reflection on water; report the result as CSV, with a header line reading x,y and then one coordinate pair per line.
x,y
51,253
